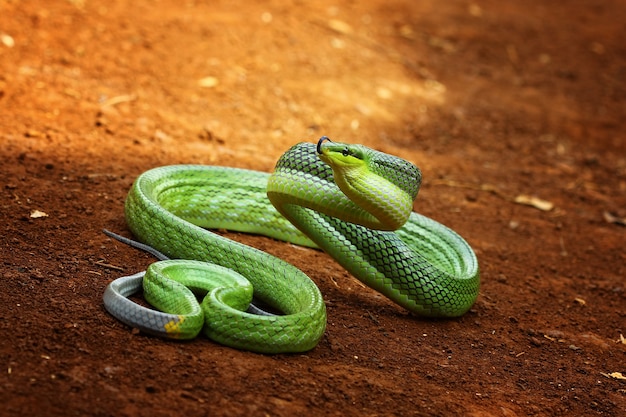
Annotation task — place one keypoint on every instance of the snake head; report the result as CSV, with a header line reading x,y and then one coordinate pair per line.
x,y
341,155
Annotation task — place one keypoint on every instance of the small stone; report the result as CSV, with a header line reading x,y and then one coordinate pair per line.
x,y
384,93
36,214
32,133
340,26
7,40
208,82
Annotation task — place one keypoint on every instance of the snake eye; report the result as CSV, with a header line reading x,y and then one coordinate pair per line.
x,y
345,152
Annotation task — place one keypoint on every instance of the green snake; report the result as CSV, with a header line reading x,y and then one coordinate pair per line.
x,y
353,202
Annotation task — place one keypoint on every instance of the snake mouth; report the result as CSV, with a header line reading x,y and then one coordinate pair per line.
x,y
319,143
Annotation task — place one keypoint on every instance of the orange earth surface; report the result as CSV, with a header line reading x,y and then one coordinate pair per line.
x,y
513,110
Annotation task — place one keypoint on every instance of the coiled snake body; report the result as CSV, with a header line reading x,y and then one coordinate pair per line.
x,y
345,199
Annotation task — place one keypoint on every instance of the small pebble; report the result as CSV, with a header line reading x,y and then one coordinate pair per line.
x,y
7,40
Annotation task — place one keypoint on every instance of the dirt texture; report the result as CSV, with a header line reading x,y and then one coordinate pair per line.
x,y
513,110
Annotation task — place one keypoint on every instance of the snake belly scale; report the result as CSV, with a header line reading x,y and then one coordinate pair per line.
x,y
333,195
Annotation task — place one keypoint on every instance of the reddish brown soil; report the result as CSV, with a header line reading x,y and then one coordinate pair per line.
x,y
491,99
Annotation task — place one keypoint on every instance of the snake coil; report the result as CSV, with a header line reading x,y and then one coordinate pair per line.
x,y
353,202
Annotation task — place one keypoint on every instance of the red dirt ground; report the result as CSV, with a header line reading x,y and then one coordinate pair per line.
x,y
493,100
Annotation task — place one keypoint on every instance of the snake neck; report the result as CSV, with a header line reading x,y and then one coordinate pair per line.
x,y
382,184
386,202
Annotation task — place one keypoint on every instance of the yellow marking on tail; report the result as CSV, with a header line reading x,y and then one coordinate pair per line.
x,y
173,327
